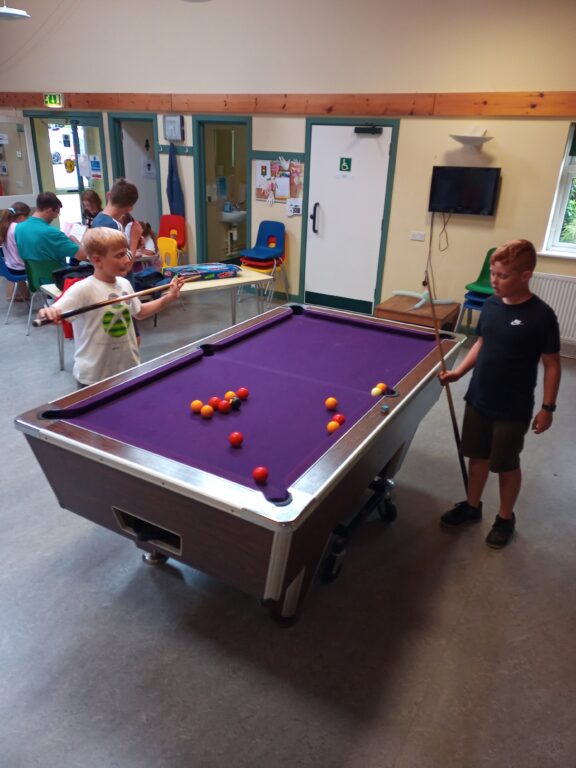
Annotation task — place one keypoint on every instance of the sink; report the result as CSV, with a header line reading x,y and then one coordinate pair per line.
x,y
232,217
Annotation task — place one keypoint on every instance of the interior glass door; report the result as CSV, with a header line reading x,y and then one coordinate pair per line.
x,y
69,159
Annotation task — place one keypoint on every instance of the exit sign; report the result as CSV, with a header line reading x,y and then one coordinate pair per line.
x,y
54,100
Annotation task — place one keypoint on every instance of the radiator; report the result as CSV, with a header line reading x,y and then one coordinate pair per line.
x,y
559,292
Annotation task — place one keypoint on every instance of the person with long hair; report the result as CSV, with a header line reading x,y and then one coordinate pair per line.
x,y
8,221
91,206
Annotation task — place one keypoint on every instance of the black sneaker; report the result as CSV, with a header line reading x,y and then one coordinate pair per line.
x,y
501,532
461,513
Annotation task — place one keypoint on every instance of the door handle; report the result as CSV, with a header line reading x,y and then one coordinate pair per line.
x,y
313,216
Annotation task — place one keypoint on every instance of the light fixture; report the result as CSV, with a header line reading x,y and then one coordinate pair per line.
x,y
12,13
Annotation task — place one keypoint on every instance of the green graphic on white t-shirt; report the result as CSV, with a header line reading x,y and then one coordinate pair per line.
x,y
116,321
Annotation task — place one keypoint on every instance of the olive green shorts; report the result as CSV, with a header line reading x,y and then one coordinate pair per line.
x,y
499,442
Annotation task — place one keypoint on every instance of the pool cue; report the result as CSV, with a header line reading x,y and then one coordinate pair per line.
x,y
446,386
38,322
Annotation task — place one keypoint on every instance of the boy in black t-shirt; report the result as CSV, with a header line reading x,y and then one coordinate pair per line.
x,y
516,329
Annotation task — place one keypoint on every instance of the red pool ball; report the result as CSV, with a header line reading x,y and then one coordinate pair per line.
x,y
242,393
214,402
260,474
224,406
339,417
236,439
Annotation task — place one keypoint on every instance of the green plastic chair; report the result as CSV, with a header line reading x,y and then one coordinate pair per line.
x,y
482,283
39,273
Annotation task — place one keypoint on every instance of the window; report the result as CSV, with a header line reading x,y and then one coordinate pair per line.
x,y
561,238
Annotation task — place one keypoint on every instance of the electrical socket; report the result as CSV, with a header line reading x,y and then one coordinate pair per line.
x,y
417,235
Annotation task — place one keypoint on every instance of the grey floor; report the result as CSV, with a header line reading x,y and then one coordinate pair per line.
x,y
430,651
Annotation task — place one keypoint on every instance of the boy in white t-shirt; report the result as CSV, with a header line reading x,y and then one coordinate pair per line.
x,y
105,341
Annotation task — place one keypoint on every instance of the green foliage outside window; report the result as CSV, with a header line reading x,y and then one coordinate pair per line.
x,y
568,233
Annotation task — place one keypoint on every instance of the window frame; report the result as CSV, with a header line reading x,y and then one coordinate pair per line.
x,y
567,178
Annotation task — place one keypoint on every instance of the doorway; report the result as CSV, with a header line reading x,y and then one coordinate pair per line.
x,y
222,178
348,199
133,142
69,152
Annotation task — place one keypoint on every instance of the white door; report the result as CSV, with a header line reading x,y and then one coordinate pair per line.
x,y
347,192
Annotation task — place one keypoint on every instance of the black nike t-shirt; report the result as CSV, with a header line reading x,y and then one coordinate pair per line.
x,y
514,336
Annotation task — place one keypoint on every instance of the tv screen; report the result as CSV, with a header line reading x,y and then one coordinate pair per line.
x,y
456,189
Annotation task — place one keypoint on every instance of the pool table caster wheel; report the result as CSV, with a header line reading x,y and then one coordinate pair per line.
x,y
154,558
387,511
332,564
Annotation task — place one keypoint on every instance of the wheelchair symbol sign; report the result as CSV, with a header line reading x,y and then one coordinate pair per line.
x,y
345,163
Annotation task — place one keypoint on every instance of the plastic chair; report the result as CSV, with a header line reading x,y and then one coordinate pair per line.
x,y
482,282
267,256
39,273
476,293
269,242
168,251
16,280
174,226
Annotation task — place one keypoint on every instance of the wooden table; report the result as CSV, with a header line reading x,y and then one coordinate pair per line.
x,y
401,309
262,284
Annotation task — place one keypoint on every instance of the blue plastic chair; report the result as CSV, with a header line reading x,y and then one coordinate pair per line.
x,y
270,250
268,231
17,280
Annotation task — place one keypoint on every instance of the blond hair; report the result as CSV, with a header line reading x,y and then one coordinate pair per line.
x,y
101,240
516,254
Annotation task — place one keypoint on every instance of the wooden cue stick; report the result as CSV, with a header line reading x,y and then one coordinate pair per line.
x,y
38,322
447,385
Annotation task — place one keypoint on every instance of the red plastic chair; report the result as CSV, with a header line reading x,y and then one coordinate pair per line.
x,y
173,226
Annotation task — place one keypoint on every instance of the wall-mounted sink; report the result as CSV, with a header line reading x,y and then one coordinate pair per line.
x,y
232,217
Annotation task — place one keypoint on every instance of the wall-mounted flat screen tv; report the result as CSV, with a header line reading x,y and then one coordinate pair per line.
x,y
456,189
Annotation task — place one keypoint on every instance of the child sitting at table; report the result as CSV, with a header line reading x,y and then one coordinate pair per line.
x,y
104,338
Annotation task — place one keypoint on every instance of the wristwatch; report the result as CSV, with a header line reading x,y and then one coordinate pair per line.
x,y
548,407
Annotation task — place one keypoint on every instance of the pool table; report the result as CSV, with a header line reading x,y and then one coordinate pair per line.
x,y
129,454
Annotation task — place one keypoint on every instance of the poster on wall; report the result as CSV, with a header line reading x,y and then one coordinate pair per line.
x,y
280,181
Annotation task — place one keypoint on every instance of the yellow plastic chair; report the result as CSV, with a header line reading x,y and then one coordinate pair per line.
x,y
168,251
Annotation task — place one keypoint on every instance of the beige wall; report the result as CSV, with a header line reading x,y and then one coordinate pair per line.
x,y
330,46
226,46
529,153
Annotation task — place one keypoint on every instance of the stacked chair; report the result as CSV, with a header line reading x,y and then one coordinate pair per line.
x,y
268,255
476,294
174,227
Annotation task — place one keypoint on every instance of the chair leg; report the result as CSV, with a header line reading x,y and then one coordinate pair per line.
x,y
32,297
15,287
285,280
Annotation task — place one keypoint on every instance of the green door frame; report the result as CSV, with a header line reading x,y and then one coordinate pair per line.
x,y
198,123
385,123
115,120
91,119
